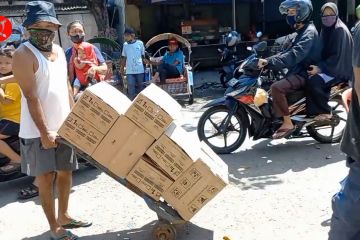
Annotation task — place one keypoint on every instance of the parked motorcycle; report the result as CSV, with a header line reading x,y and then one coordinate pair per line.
x,y
227,120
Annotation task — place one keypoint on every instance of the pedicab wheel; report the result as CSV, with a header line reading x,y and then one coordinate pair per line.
x,y
191,96
164,231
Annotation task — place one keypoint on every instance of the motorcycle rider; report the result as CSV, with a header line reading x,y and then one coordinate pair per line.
x,y
304,51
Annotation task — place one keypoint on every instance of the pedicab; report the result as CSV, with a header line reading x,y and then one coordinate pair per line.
x,y
183,86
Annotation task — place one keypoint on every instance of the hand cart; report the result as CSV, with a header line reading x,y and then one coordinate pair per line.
x,y
167,216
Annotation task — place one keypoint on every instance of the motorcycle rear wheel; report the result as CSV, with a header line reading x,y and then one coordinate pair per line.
x,y
236,125
338,112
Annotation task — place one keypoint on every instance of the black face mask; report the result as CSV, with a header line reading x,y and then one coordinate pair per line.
x,y
77,38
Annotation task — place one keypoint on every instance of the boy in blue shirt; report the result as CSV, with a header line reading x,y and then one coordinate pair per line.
x,y
133,54
172,64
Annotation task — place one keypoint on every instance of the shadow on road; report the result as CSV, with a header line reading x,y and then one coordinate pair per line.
x,y
9,190
184,232
257,167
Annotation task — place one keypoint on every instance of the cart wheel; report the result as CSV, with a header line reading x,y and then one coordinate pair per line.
x,y
191,96
164,231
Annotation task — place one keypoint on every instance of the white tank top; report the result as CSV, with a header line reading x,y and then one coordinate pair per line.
x,y
52,91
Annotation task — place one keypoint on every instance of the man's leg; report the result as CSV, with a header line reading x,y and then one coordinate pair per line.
x,y
172,71
345,221
64,182
46,183
279,90
131,82
317,96
139,82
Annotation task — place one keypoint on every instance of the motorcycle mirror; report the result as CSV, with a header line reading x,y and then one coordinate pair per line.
x,y
219,50
259,34
249,48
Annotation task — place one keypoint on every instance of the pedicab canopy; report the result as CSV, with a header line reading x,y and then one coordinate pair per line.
x,y
168,36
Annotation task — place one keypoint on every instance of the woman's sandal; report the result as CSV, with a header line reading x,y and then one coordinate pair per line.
x,y
28,192
323,117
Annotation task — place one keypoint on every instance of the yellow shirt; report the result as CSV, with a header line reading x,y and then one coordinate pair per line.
x,y
11,111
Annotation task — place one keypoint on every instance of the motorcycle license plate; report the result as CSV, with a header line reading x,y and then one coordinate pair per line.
x,y
233,82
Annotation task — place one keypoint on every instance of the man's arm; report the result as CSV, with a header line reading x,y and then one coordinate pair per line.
x,y
295,54
24,68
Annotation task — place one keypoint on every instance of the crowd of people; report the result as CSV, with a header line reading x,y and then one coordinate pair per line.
x,y
37,74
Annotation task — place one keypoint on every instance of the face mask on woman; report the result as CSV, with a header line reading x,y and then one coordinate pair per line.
x,y
329,21
42,39
78,38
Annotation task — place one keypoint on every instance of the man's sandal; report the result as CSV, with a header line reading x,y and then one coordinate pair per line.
x,y
76,224
283,133
66,236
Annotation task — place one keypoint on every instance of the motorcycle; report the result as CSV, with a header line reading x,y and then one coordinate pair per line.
x,y
229,60
227,120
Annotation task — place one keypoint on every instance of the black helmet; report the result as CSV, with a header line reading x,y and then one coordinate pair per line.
x,y
304,9
232,39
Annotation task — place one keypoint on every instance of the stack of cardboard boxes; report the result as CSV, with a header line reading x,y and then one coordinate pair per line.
x,y
143,142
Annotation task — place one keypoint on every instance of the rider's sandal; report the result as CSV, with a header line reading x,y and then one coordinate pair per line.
x,y
283,133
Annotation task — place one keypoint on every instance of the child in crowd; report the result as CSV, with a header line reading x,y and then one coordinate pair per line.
x,y
133,55
10,109
85,58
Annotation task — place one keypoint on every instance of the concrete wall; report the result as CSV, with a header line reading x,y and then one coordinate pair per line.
x,y
132,17
88,20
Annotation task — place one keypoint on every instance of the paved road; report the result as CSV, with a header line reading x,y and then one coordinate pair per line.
x,y
279,190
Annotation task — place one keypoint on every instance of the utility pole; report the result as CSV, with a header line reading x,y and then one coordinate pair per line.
x,y
120,28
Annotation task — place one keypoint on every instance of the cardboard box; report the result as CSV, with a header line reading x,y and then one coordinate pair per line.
x,y
154,110
101,105
80,133
198,185
122,147
175,151
149,179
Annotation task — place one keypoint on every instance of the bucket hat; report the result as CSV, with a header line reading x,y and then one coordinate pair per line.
x,y
40,11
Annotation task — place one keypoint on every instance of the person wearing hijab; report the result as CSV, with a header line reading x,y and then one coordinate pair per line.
x,y
335,66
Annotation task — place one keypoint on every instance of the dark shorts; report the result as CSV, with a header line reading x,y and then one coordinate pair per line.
x,y
9,128
37,161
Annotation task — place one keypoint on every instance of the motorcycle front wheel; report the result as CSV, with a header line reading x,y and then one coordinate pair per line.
x,y
212,129
332,131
